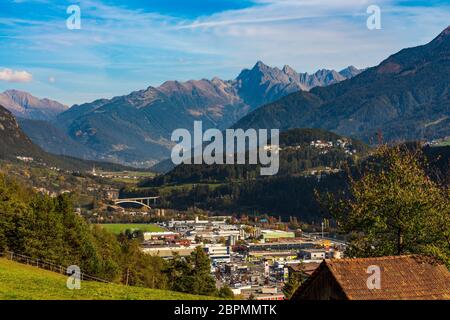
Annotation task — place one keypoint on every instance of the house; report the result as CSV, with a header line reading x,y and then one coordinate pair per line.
x,y
276,234
312,255
410,277
303,269
111,193
279,296
160,235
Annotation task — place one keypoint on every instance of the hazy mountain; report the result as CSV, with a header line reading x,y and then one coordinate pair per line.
x,y
136,128
54,140
15,143
350,72
406,97
34,116
263,84
24,105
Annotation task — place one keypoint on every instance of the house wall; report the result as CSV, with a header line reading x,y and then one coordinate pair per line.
x,y
322,287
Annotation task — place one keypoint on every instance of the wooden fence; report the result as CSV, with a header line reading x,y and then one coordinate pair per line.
x,y
47,265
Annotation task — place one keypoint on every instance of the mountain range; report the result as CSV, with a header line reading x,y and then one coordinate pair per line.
x,y
13,142
16,146
405,97
136,128
24,105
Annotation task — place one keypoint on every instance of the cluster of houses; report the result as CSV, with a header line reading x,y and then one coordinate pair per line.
x,y
340,143
253,262
257,264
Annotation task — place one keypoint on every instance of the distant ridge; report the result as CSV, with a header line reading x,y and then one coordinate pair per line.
x,y
406,97
135,129
23,104
16,146
263,84
13,142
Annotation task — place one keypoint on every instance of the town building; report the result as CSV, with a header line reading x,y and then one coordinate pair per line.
x,y
218,253
276,234
313,255
162,235
303,270
283,245
111,193
168,251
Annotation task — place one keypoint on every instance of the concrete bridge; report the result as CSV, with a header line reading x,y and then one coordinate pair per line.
x,y
143,201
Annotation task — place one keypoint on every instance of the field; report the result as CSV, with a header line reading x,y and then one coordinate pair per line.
x,y
126,176
117,228
23,282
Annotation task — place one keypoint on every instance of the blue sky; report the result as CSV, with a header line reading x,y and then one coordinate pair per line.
x,y
129,45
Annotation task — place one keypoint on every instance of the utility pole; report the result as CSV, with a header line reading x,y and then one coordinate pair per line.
x,y
322,229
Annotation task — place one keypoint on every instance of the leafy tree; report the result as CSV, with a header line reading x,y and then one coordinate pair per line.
x,y
293,283
109,252
395,209
133,234
225,292
13,208
45,230
140,269
153,272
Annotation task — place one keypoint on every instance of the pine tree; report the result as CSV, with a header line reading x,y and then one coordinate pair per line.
x,y
203,282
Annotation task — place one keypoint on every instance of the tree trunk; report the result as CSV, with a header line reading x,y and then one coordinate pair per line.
x,y
399,242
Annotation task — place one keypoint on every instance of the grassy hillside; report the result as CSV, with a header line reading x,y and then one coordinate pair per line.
x,y
22,282
117,228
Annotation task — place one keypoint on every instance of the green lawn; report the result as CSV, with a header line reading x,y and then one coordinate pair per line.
x,y
117,228
127,176
443,143
23,282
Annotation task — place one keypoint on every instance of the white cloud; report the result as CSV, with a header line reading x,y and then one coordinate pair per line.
x,y
51,79
307,34
147,48
15,75
271,11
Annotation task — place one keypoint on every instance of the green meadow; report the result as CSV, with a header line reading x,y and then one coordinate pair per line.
x,y
117,228
24,282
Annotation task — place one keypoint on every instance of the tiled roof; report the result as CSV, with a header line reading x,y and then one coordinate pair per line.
x,y
402,277
307,268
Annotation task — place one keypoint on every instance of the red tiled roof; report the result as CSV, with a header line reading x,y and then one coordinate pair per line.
x,y
307,268
402,278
